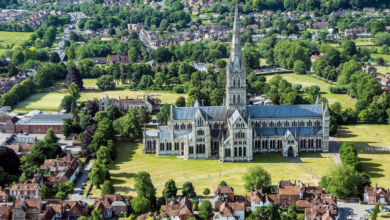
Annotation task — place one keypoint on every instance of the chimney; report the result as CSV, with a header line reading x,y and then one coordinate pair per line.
x,y
376,185
295,182
173,203
308,185
58,156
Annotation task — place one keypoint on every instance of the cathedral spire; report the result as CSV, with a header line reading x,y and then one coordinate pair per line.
x,y
236,63
326,111
318,99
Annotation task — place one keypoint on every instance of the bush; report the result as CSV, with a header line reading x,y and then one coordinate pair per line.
x,y
338,90
133,85
305,89
178,89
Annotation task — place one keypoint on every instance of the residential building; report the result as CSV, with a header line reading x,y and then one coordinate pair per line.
x,y
369,9
112,205
258,199
22,143
322,206
26,209
121,59
98,60
225,193
315,56
321,25
369,69
257,37
203,15
289,193
376,195
143,217
236,131
57,209
230,211
384,81
7,124
5,212
3,195
26,190
148,102
61,170
134,27
177,209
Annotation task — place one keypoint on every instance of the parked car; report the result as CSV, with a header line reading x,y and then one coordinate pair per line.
x,y
368,211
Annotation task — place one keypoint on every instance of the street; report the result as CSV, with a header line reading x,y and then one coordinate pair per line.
x,y
83,179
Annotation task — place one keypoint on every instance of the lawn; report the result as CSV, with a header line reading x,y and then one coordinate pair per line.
x,y
375,163
13,37
316,162
363,41
50,100
305,80
130,160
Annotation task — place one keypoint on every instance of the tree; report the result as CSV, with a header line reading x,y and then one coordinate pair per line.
x,y
99,173
74,90
45,192
140,204
206,192
103,156
216,97
188,190
42,150
143,186
73,76
3,174
107,188
143,116
265,212
299,67
364,180
17,58
256,177
364,115
341,181
170,189
222,183
129,125
113,112
375,212
206,207
9,161
68,102
50,136
91,107
100,115
180,102
164,114
96,214
87,137
349,48
54,57
105,82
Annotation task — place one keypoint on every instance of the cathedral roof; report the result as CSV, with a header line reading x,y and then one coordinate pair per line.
x,y
234,117
209,112
282,131
284,111
180,133
165,135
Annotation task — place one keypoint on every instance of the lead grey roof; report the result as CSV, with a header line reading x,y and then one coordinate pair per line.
x,y
162,128
180,133
284,111
165,135
48,119
209,112
234,117
283,131
151,133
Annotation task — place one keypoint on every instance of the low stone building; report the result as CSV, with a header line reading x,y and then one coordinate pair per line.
x,y
149,103
26,209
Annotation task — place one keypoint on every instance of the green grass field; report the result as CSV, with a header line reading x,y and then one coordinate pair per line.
x,y
13,37
130,160
305,80
375,163
49,100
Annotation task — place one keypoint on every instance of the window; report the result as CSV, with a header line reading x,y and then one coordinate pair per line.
x,y
234,99
238,99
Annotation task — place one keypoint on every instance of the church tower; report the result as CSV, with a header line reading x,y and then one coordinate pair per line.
x,y
235,73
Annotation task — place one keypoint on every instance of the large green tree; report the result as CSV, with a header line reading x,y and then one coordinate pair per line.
x,y
341,181
256,177
170,189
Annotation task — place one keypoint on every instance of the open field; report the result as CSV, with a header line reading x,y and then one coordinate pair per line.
x,y
363,41
130,160
50,100
305,80
375,163
13,37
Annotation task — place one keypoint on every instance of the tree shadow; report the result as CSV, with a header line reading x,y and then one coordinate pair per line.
x,y
371,168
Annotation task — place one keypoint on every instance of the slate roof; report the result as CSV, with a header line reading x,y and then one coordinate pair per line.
x,y
179,133
234,117
188,113
165,135
284,111
48,119
151,133
282,131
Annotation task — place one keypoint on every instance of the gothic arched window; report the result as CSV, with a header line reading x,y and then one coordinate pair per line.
x,y
234,99
238,99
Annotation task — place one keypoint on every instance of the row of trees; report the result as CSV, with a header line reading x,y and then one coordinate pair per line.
x,y
18,93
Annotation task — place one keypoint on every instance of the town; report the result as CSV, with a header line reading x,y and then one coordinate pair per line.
x,y
200,109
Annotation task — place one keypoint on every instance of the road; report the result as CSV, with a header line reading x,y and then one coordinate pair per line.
x,y
78,190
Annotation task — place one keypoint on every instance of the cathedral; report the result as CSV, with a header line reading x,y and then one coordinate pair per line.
x,y
235,131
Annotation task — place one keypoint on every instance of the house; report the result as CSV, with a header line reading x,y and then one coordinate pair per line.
x,y
257,37
22,143
26,208
230,211
122,59
195,11
258,199
134,27
322,207
293,36
254,26
7,124
112,205
61,170
388,29
225,193
149,103
26,190
315,56
321,25
203,15
289,193
98,60
56,209
3,195
369,9
384,81
369,69
376,195
143,217
177,209
5,212
215,15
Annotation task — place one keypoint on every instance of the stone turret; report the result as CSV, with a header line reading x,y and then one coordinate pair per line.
x,y
325,129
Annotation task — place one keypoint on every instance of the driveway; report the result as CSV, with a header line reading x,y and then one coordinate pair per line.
x,y
358,210
77,190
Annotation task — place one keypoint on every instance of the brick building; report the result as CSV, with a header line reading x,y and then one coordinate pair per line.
x,y
26,209
112,205
40,123
5,212
177,209
376,195
7,124
25,190
63,210
3,195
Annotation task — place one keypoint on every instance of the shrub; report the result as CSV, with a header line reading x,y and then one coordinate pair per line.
x,y
178,89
